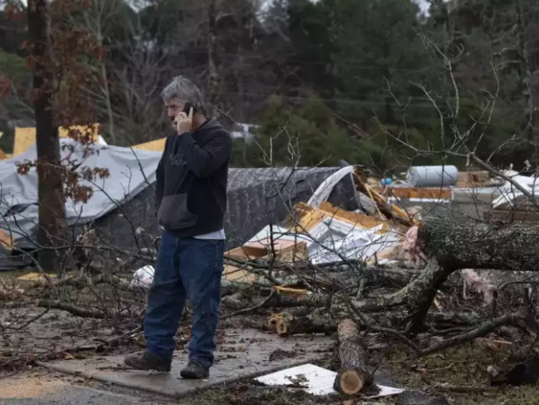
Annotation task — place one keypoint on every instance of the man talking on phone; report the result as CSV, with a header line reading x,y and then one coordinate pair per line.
x,y
190,200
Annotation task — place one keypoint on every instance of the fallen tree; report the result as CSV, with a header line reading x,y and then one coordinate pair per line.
x,y
455,246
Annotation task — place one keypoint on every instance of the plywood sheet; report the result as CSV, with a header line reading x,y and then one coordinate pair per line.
x,y
233,273
247,252
419,192
353,218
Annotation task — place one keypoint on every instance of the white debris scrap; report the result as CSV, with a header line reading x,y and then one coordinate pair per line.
x,y
512,197
143,277
479,284
316,380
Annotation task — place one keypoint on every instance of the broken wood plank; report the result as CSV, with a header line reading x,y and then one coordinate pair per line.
x,y
247,252
418,192
353,218
394,213
306,218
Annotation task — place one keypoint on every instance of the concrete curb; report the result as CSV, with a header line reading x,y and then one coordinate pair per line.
x,y
111,379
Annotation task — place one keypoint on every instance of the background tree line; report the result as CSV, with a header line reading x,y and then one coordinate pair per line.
x,y
334,77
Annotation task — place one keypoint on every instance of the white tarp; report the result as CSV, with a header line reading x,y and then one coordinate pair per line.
x,y
131,171
512,197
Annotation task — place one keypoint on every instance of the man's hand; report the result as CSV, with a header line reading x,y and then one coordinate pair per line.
x,y
184,122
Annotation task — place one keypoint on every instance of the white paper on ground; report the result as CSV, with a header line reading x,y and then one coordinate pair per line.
x,y
316,380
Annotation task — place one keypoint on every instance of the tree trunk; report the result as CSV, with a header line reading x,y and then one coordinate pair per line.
x,y
213,74
479,246
527,81
50,185
455,246
353,376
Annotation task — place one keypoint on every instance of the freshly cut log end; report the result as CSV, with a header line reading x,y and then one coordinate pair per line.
x,y
281,328
353,376
350,382
274,319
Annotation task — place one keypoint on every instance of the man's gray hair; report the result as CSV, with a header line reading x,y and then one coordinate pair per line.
x,y
184,89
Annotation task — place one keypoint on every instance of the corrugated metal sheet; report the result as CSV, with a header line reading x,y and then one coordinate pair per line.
x,y
256,198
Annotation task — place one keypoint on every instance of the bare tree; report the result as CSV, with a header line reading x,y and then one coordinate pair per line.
x,y
50,184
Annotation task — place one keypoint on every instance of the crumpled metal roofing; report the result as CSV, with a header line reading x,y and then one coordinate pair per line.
x,y
256,198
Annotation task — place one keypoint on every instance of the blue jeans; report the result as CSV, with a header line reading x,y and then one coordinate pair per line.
x,y
186,268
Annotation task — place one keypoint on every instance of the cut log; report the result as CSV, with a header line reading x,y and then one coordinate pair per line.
x,y
353,376
287,324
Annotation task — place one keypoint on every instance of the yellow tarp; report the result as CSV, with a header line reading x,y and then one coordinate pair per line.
x,y
156,146
26,137
34,276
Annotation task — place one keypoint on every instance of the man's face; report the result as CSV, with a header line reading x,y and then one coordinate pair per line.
x,y
174,107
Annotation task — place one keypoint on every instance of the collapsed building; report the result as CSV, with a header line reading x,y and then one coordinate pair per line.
x,y
360,216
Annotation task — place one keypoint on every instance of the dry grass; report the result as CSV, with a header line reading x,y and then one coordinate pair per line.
x,y
463,366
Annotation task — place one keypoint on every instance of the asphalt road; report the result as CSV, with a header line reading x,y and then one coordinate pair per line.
x,y
86,396
69,394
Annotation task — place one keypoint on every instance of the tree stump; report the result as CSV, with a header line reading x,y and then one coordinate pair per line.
x,y
353,376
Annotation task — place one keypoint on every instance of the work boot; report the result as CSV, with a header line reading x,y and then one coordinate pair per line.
x,y
147,361
195,371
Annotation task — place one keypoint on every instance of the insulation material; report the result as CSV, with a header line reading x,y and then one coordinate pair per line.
x,y
479,284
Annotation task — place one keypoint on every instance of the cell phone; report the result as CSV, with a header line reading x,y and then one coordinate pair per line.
x,y
187,107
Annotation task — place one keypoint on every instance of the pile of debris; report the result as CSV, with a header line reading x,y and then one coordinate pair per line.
x,y
321,234
387,271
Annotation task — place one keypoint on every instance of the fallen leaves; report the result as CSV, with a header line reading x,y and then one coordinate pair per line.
x,y
10,290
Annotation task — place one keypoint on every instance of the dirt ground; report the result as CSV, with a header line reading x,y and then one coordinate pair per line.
x,y
28,332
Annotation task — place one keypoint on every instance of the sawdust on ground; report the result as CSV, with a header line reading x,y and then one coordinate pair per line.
x,y
30,386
